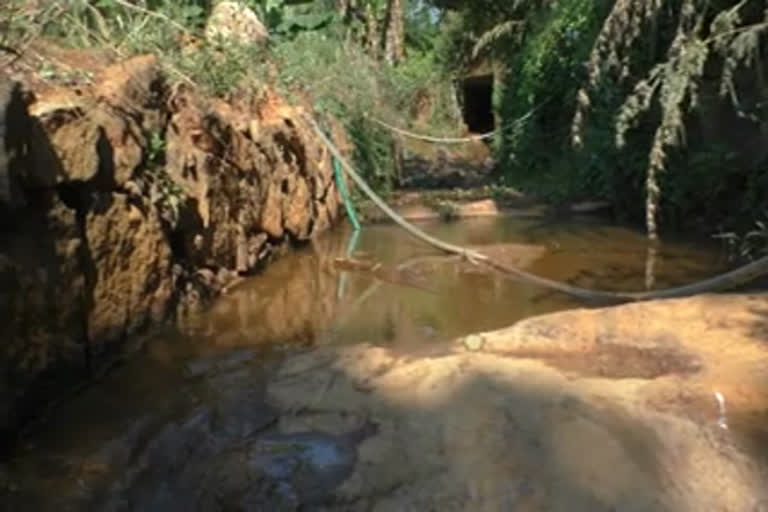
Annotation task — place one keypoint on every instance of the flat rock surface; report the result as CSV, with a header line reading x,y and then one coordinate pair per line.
x,y
611,409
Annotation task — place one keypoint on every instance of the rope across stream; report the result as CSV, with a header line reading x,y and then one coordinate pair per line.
x,y
456,140
736,277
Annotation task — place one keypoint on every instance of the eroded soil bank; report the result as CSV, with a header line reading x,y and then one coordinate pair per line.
x,y
127,201
593,410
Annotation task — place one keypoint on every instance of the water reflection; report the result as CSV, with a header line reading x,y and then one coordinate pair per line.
x,y
303,298
175,427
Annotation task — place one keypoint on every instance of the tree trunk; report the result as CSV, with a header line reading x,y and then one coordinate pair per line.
x,y
372,31
346,8
343,7
394,32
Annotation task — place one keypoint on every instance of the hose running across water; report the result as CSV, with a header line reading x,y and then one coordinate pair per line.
x,y
737,277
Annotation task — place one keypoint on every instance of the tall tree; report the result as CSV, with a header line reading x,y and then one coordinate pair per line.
x,y
394,32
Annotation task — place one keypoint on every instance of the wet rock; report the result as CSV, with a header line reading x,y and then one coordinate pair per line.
x,y
208,459
241,412
311,463
518,425
486,207
233,21
210,365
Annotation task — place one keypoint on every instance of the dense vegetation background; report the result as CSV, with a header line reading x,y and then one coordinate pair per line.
x,y
658,106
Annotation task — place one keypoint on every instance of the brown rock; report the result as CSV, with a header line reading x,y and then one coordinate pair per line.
x,y
297,208
6,87
101,145
132,267
133,84
255,246
107,262
272,212
77,136
42,304
323,220
76,145
124,152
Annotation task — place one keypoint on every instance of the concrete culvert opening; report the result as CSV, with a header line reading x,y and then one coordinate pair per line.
x,y
477,92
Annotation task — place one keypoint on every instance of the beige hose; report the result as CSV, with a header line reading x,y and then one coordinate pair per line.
x,y
737,277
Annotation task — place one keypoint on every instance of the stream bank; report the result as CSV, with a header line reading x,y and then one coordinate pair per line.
x,y
128,202
611,409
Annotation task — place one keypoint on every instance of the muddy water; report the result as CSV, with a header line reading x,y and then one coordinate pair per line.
x,y
303,298
187,422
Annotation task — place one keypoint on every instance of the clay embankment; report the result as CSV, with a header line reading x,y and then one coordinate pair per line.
x,y
130,202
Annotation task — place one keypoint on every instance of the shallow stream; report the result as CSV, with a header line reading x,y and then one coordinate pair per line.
x,y
303,297
185,424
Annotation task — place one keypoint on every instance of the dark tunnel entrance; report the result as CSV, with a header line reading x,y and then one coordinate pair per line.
x,y
477,92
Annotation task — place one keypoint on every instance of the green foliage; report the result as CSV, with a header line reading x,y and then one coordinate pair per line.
x,y
543,76
156,150
221,69
374,154
162,190
677,79
621,82
285,20
346,83
447,209
749,246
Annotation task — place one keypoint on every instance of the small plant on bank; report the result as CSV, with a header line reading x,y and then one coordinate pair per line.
x,y
447,209
748,246
163,191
